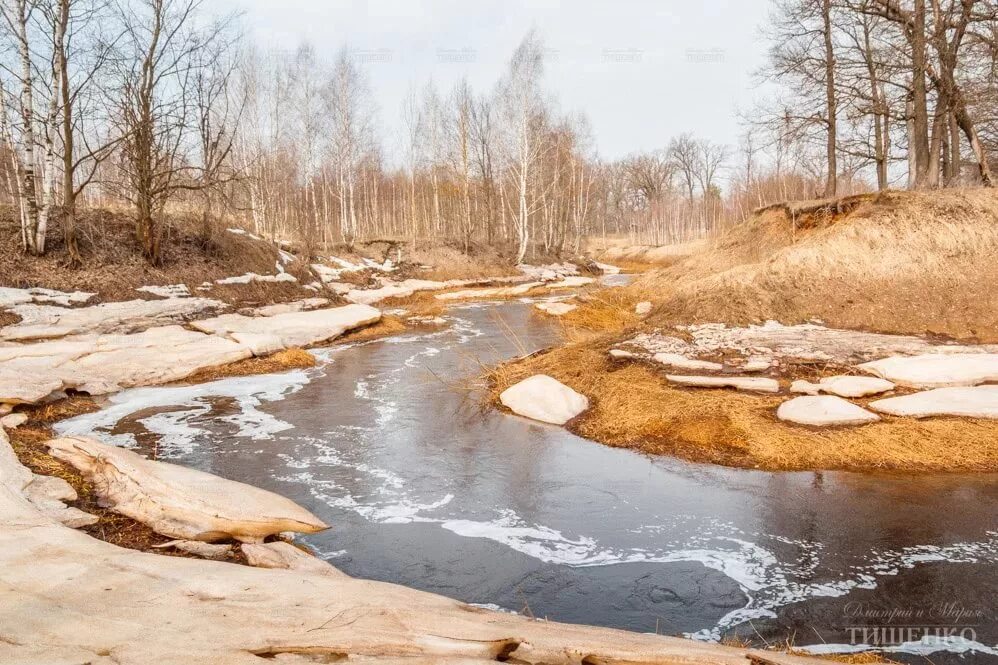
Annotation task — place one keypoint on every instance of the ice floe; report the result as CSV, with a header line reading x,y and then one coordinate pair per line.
x,y
47,321
544,398
972,402
824,410
843,386
936,370
10,296
167,290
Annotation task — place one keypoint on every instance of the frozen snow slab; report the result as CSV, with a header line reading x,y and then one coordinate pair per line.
x,y
643,308
556,308
101,364
548,273
279,554
180,502
843,386
544,398
607,269
86,597
11,296
255,277
167,290
750,383
494,292
971,402
936,370
682,362
823,411
45,493
304,305
292,328
47,321
571,283
807,342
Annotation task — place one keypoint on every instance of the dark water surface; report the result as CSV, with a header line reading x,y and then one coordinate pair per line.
x,y
424,487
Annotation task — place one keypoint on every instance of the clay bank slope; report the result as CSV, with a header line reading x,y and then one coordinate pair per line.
x,y
759,351
902,262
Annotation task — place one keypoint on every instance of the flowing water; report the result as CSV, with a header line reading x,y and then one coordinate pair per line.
x,y
425,487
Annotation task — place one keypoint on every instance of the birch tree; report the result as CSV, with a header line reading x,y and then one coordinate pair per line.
x,y
522,108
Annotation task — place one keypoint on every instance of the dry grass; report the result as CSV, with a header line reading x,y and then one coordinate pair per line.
x,y
451,263
607,310
387,326
865,658
282,361
634,407
905,262
420,303
113,266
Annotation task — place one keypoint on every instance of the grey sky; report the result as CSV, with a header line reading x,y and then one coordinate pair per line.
x,y
642,70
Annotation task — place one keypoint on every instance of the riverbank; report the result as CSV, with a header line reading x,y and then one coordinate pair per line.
x,y
911,264
305,611
69,597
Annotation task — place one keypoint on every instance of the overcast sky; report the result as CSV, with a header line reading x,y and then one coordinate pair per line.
x,y
642,70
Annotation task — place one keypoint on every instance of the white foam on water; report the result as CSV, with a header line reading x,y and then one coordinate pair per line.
x,y
926,646
175,427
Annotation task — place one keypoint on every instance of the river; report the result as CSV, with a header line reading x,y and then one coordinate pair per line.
x,y
423,486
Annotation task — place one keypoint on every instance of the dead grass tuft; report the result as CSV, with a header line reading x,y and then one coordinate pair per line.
x,y
634,407
607,310
282,361
387,326
865,658
45,414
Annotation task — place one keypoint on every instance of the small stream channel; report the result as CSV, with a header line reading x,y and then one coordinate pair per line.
x,y
424,487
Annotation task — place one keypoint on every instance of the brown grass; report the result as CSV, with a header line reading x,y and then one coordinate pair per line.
x,y
451,263
865,658
607,310
113,266
282,361
632,406
387,326
904,262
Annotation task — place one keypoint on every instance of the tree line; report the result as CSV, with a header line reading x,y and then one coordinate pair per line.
x,y
160,104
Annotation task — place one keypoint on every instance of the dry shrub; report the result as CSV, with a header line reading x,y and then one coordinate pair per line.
x,y
633,406
282,361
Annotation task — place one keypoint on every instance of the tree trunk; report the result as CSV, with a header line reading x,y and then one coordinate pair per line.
x,y
831,107
919,140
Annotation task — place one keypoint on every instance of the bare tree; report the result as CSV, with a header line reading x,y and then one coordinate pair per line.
x,y
523,112
16,16
162,52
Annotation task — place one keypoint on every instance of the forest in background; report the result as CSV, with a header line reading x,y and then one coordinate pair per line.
x,y
161,105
